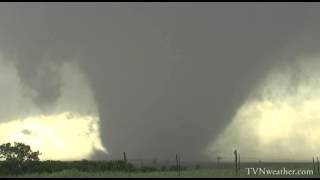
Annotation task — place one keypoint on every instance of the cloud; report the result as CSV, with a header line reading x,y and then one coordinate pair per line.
x,y
26,132
165,78
280,124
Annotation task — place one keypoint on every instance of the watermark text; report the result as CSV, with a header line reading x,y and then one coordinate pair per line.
x,y
278,172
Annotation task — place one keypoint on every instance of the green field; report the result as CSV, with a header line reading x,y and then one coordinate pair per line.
x,y
223,170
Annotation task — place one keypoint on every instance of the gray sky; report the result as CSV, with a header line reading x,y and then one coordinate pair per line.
x,y
166,77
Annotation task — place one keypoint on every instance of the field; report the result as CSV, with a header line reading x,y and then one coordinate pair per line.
x,y
202,171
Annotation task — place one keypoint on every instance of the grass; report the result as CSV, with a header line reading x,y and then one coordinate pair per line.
x,y
225,170
118,174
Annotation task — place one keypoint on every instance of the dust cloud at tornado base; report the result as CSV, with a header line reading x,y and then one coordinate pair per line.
x,y
166,77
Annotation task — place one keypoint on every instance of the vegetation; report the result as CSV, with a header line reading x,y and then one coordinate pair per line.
x,y
18,152
18,160
204,172
56,166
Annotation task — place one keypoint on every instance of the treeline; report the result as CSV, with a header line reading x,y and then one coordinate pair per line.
x,y
18,158
11,167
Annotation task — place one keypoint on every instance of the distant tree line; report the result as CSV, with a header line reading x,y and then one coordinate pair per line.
x,y
19,159
55,166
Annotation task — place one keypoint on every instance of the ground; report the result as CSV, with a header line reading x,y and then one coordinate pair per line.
x,y
223,170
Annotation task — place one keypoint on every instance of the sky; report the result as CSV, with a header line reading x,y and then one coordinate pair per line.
x,y
155,79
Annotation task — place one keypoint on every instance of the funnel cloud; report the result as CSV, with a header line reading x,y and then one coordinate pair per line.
x,y
165,77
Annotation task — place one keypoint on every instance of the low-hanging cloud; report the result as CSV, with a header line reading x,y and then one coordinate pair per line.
x,y
279,121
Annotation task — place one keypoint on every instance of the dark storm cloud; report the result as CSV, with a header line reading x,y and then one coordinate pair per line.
x,y
167,77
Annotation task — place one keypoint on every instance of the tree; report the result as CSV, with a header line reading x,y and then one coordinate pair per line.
x,y
17,157
18,152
